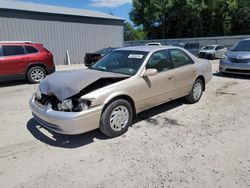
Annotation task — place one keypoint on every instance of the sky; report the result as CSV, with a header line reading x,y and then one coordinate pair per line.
x,y
120,8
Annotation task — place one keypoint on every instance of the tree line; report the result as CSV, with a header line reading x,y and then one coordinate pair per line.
x,y
159,19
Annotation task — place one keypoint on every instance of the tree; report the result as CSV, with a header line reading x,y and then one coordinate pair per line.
x,y
132,33
191,18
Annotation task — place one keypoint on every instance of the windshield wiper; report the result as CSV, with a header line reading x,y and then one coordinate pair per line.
x,y
102,68
99,68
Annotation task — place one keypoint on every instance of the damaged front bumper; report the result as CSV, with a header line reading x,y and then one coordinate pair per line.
x,y
65,122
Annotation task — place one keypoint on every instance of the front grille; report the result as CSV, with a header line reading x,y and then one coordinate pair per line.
x,y
238,71
235,60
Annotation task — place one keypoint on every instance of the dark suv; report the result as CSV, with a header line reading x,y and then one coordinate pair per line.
x,y
192,47
91,58
21,60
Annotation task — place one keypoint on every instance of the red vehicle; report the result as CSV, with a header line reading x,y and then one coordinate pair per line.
x,y
25,60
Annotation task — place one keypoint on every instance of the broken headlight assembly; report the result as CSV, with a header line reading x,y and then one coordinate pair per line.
x,y
74,105
38,94
65,105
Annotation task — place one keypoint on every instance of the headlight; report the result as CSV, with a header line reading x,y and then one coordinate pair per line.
x,y
65,105
83,105
224,58
38,94
74,105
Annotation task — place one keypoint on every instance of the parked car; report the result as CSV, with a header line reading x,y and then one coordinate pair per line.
x,y
21,60
110,93
237,59
91,58
212,51
192,47
153,44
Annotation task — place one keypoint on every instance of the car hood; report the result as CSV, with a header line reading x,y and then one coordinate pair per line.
x,y
238,54
207,51
66,84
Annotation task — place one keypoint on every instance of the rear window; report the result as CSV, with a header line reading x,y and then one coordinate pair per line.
x,y
30,49
12,50
46,49
104,51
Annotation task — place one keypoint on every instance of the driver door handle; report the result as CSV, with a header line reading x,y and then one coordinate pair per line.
x,y
171,77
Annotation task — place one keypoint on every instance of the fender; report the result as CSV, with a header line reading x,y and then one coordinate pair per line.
x,y
36,63
115,95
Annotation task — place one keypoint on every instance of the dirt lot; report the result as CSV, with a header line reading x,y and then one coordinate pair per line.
x,y
173,145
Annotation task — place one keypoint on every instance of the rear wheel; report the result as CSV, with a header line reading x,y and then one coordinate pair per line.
x,y
36,74
196,92
116,118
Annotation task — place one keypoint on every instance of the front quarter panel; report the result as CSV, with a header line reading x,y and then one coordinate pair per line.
x,y
104,95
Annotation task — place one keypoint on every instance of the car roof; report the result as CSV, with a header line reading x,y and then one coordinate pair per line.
x,y
246,39
17,42
147,48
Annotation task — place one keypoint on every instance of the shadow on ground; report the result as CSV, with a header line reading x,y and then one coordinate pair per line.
x,y
13,83
75,141
159,109
63,141
236,76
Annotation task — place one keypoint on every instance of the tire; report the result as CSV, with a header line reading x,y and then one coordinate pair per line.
x,y
196,92
113,124
36,74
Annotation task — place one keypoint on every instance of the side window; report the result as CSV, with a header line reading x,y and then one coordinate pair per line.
x,y
219,48
159,60
12,50
1,52
180,58
30,49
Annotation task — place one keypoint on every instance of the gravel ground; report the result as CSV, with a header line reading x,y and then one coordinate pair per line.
x,y
173,145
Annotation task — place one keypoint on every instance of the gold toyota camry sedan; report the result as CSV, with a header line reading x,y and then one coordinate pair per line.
x,y
110,93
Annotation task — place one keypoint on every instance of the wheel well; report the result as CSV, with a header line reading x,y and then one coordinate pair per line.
x,y
127,98
36,65
203,81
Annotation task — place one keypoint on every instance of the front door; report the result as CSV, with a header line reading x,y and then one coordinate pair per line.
x,y
159,88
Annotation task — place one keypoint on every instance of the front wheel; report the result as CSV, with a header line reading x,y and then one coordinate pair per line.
x,y
116,118
196,92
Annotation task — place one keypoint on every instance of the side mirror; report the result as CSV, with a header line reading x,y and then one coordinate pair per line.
x,y
150,72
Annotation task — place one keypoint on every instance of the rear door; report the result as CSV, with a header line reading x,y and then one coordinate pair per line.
x,y
12,61
185,72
